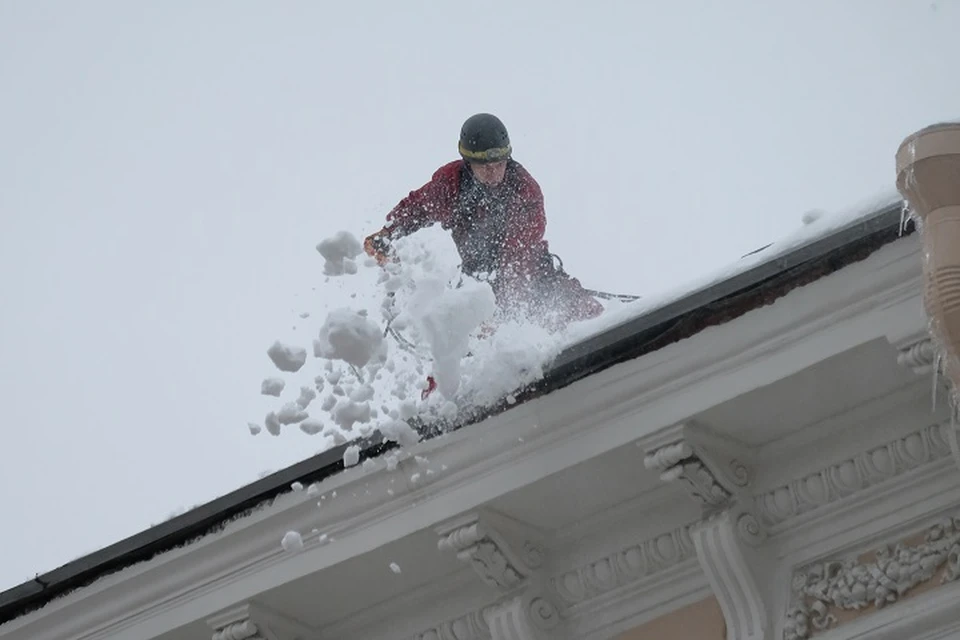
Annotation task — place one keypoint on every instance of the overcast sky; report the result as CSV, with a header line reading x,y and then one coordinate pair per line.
x,y
167,168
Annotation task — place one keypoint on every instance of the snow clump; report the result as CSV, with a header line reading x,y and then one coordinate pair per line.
x,y
447,317
339,252
287,358
351,456
349,336
272,387
292,541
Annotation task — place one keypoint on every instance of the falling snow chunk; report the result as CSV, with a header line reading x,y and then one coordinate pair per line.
x,y
254,428
394,567
392,462
408,409
311,426
511,399
306,397
399,432
291,413
313,490
297,487
338,252
349,336
446,317
449,410
292,541
351,456
347,413
362,393
272,423
335,435
287,358
272,387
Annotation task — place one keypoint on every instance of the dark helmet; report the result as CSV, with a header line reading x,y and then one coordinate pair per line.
x,y
484,139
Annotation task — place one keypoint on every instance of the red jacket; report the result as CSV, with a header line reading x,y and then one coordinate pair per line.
x,y
517,223
520,240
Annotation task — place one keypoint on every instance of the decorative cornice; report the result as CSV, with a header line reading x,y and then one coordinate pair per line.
x,y
852,475
251,621
714,469
632,564
858,583
502,551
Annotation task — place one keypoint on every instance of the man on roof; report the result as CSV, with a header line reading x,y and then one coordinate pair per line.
x,y
494,211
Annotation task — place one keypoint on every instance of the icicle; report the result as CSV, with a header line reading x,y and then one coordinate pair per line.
x,y
936,378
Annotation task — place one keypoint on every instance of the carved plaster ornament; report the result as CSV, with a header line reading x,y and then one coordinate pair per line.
x,y
853,584
714,469
506,555
251,621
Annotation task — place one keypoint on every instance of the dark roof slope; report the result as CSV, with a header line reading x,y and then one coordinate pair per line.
x,y
720,303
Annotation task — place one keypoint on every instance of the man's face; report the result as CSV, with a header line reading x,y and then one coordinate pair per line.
x,y
489,174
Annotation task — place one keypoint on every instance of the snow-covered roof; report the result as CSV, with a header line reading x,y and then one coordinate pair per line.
x,y
824,245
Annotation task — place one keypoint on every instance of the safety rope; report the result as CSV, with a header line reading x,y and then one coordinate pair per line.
x,y
606,295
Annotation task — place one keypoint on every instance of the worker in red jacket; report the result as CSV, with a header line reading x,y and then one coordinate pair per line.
x,y
494,210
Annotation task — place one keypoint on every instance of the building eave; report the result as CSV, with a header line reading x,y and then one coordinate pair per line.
x,y
673,322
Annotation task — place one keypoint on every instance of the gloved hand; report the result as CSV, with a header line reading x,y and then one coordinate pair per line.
x,y
377,246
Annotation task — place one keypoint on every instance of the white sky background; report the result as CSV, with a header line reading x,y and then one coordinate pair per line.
x,y
167,169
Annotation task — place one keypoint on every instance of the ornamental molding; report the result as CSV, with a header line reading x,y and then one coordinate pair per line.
x,y
715,470
823,592
469,626
862,471
251,621
523,617
530,616
630,565
505,553
508,556
537,611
